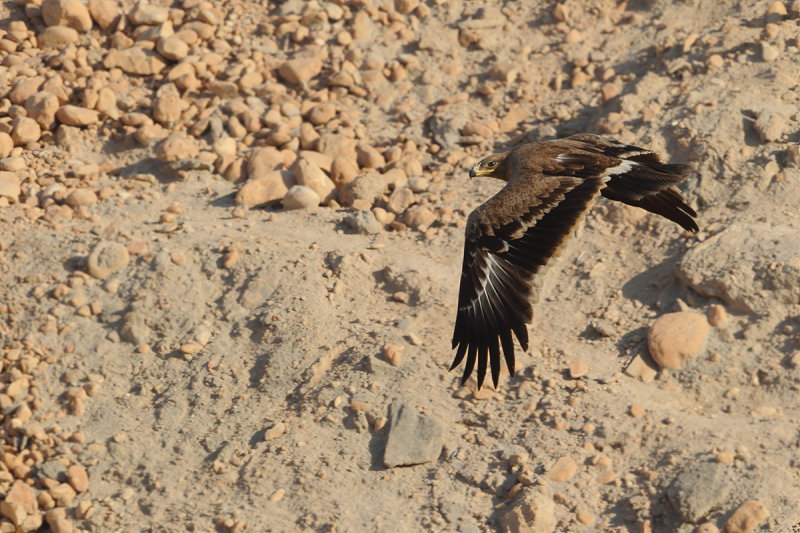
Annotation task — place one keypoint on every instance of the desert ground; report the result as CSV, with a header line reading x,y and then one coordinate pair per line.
x,y
230,246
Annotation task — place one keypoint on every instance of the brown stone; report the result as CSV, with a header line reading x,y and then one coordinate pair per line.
x,y
9,185
72,115
78,478
321,160
400,199
405,6
746,517
322,113
80,197
267,188
172,48
369,157
25,89
168,105
533,512
42,108
563,469
717,315
300,70
70,13
106,258
21,496
105,13
176,147
57,37
343,170
223,89
6,144
310,175
25,130
264,160
301,197
419,217
148,14
135,60
675,338
107,103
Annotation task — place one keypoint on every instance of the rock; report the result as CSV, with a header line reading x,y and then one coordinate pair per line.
x,y
368,186
533,512
168,105
148,14
400,199
708,527
369,157
675,338
13,164
70,13
42,108
335,145
300,197
563,469
72,115
578,369
78,478
406,6
106,258
716,315
699,489
172,48
310,175
225,89
25,89
300,70
746,517
770,125
263,160
9,186
135,60
105,13
177,147
749,266
57,37
321,160
107,103
59,524
769,52
80,197
24,131
6,144
267,188
363,222
322,113
21,496
343,171
413,438
419,217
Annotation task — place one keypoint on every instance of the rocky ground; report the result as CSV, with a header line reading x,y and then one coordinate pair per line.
x,y
230,242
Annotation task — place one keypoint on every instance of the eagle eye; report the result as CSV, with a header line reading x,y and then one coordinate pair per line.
x,y
491,164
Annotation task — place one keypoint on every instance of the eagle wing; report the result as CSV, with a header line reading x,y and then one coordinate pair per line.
x,y
508,240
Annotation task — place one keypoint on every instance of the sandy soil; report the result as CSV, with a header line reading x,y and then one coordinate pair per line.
x,y
224,365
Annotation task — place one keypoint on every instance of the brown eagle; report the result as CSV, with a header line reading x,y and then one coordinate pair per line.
x,y
550,186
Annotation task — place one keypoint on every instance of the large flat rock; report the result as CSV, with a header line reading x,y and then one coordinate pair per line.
x,y
753,267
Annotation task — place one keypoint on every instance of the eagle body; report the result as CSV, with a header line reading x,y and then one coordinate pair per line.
x,y
511,237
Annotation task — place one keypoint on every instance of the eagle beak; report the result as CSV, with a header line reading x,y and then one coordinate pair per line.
x,y
473,173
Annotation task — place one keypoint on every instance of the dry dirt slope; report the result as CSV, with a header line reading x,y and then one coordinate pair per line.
x,y
231,373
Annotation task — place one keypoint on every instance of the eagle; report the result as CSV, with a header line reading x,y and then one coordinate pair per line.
x,y
550,186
